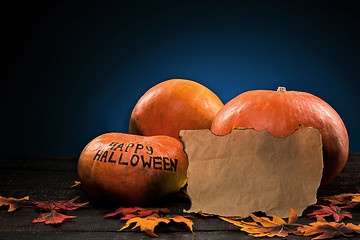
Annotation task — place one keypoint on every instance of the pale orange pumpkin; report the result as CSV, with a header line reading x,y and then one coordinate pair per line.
x,y
130,169
281,112
173,105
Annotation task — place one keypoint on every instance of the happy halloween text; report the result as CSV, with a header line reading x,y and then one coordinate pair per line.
x,y
142,156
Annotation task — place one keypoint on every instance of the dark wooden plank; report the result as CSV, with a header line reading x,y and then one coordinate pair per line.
x,y
131,235
43,178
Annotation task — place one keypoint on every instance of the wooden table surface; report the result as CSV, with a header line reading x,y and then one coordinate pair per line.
x,y
51,178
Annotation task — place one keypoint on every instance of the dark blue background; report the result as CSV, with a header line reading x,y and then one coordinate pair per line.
x,y
75,69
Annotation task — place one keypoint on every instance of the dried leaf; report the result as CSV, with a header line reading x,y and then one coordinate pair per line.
x,y
123,211
61,205
14,203
328,229
52,217
355,201
149,223
236,218
133,212
334,211
350,200
263,226
76,183
205,214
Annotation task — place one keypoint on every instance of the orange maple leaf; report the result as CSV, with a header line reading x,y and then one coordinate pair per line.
x,y
14,203
149,223
328,229
350,200
263,226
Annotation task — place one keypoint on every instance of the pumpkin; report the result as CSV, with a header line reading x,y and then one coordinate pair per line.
x,y
173,105
130,169
281,112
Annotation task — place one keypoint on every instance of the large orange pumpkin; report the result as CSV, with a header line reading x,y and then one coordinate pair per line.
x,y
130,169
173,105
281,112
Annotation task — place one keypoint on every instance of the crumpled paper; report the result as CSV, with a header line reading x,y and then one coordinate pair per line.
x,y
247,171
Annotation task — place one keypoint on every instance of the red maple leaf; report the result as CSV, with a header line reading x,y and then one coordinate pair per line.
x,y
61,205
334,211
52,217
132,212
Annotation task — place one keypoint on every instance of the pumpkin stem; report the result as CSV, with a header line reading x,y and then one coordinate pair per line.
x,y
281,89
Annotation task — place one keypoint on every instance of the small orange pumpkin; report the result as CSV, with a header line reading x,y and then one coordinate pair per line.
x,y
281,112
130,169
173,105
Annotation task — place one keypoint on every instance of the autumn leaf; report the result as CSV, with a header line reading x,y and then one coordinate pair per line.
x,y
328,229
334,211
61,205
263,226
76,183
149,223
52,217
14,203
123,211
205,214
350,200
133,212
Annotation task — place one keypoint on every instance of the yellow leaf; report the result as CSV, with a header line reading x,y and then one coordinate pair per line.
x,y
14,203
148,224
344,199
76,183
263,226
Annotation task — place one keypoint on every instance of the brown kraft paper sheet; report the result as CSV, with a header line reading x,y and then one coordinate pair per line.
x,y
248,170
